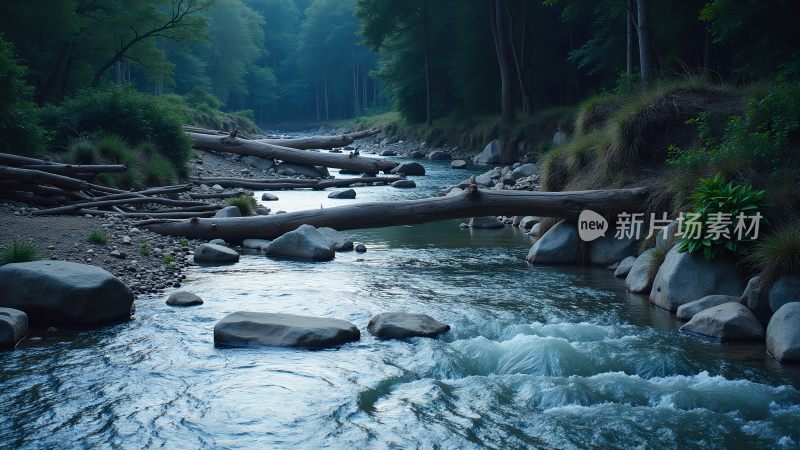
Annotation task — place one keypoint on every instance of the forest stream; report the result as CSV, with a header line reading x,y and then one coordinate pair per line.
x,y
537,356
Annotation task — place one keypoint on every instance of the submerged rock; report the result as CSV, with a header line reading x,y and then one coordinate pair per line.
x,y
360,248
439,155
728,321
458,164
688,310
410,168
684,278
400,325
304,242
783,333
215,254
13,327
559,245
338,240
184,298
64,292
416,154
624,267
485,222
343,194
249,329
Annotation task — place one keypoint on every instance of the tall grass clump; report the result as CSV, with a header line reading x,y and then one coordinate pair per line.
x,y
778,253
246,204
159,171
99,237
18,251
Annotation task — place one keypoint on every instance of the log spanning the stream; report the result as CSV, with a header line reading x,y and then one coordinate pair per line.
x,y
229,144
473,202
304,143
276,184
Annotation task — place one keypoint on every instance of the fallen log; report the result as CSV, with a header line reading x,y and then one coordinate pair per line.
x,y
39,177
294,183
116,202
473,202
245,147
149,215
321,142
77,169
207,195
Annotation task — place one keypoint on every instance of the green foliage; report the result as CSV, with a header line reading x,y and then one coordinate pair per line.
x,y
18,251
184,242
202,100
246,204
169,259
713,197
145,250
778,253
99,237
159,171
20,131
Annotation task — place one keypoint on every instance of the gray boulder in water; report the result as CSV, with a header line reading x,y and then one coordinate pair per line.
x,y
302,169
64,292
640,278
785,289
304,242
485,222
400,325
458,164
728,321
624,267
183,298
338,240
13,327
253,329
684,278
256,244
559,245
688,310
343,194
269,197
215,254
404,184
607,249
439,155
410,168
783,333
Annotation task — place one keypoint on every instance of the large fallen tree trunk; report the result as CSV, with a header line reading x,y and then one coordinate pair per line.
x,y
567,205
289,183
116,202
246,147
322,142
39,177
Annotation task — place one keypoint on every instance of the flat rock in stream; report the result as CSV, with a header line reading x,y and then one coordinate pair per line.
x,y
728,321
254,329
400,325
409,168
485,222
256,244
404,184
184,298
215,254
337,239
343,194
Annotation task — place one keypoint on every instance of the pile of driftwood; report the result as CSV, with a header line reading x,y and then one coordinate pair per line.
x,y
68,189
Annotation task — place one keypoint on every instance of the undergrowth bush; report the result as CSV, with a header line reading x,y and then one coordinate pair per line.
x,y
719,202
20,131
246,204
18,251
778,253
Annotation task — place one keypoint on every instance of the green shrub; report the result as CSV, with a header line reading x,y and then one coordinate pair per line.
x,y
122,111
159,171
246,204
18,251
715,196
778,253
169,259
99,237
19,122
83,151
145,250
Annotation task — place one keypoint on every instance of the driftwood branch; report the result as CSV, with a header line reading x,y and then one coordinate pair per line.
x,y
321,142
289,183
566,205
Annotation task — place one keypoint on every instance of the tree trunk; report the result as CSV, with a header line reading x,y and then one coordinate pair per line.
x,y
503,59
278,184
707,49
256,148
327,109
645,48
519,59
567,205
321,142
629,41
428,116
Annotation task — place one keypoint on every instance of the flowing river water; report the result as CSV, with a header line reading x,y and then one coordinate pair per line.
x,y
538,356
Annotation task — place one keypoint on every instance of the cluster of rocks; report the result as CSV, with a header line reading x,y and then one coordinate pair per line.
x,y
709,295
255,329
306,242
519,176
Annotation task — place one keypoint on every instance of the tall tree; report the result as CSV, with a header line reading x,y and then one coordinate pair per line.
x,y
497,18
645,40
